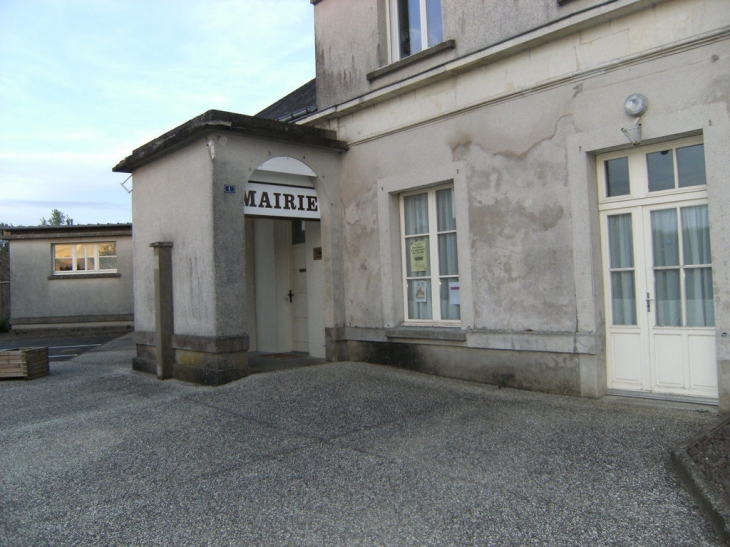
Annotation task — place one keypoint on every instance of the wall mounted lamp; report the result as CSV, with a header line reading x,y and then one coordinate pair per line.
x,y
635,105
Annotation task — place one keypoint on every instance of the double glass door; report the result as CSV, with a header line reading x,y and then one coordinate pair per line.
x,y
658,283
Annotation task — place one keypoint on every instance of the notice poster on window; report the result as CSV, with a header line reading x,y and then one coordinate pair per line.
x,y
420,291
454,295
419,260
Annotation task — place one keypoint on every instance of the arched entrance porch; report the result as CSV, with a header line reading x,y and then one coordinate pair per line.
x,y
192,238
284,244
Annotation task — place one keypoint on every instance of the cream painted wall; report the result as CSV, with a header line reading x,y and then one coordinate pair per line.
x,y
511,126
573,50
35,296
172,201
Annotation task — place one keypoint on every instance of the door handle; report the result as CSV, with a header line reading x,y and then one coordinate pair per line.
x,y
648,302
291,296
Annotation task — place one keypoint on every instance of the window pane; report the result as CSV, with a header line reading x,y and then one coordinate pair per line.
x,y
418,263
668,298
621,251
409,23
107,249
617,177
298,234
62,265
445,210
661,170
416,214
696,235
450,298
448,260
620,241
664,237
62,251
691,165
699,295
414,25
107,262
419,299
435,32
623,297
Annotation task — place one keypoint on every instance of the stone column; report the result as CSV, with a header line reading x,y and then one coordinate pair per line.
x,y
164,324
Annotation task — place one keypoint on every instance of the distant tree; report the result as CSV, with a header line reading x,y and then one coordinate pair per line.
x,y
57,218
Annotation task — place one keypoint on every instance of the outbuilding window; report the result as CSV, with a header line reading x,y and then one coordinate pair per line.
x,y
415,26
430,258
79,258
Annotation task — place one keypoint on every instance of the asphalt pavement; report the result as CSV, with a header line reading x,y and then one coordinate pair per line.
x,y
333,454
62,344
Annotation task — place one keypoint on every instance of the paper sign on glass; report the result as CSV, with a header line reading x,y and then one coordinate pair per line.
x,y
419,259
454,294
420,291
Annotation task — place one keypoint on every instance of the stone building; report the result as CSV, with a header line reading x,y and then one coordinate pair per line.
x,y
527,193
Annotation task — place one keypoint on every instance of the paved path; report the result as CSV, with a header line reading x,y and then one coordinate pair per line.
x,y
336,454
61,345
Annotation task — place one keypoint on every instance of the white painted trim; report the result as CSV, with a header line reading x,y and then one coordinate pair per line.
x,y
391,270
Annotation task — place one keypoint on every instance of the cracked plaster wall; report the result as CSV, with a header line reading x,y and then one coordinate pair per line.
x,y
475,24
521,207
518,229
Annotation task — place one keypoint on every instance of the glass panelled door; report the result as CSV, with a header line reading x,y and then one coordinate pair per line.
x,y
679,285
628,345
658,258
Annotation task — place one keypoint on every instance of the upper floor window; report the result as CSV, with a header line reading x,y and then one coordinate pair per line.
x,y
415,26
85,258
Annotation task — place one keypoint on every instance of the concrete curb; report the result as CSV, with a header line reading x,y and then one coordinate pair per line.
x,y
709,499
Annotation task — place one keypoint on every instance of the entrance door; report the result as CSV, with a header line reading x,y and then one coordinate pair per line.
x,y
657,252
288,289
298,291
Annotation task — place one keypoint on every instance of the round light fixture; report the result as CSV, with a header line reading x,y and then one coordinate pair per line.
x,y
636,104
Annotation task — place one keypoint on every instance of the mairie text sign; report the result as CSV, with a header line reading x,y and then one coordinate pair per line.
x,y
273,200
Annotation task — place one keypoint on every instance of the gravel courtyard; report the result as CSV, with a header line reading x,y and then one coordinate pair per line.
x,y
335,454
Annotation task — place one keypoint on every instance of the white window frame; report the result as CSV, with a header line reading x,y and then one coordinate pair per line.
x,y
394,28
638,176
75,257
435,276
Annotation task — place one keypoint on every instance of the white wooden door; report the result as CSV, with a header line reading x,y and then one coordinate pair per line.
x,y
298,293
658,274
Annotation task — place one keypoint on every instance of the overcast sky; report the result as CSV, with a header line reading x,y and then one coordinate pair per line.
x,y
84,82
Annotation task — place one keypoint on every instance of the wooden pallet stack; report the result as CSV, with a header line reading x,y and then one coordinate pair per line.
x,y
25,363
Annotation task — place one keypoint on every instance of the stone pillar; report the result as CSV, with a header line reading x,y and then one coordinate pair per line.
x,y
164,323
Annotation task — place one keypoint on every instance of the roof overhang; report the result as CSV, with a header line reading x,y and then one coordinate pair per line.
x,y
218,120
54,232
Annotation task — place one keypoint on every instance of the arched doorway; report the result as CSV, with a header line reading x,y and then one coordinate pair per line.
x,y
282,212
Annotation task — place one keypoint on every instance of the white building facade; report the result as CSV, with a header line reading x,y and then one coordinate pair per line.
x,y
530,194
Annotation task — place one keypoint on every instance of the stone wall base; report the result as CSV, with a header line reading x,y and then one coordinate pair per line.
x,y
557,373
206,361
